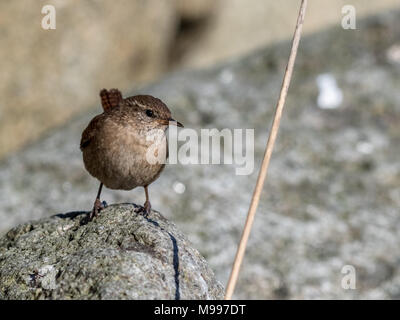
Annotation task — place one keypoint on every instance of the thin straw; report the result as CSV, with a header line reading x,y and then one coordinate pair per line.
x,y
267,155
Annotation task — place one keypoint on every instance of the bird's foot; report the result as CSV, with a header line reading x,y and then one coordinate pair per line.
x,y
145,210
98,206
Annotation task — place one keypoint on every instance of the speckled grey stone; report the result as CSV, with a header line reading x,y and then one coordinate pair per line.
x,y
118,255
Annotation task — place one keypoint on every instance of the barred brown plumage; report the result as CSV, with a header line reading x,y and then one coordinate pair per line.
x,y
115,143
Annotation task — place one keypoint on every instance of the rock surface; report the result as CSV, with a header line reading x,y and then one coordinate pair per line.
x,y
239,27
332,196
118,255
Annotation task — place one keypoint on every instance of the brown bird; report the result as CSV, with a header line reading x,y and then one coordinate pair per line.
x,y
117,143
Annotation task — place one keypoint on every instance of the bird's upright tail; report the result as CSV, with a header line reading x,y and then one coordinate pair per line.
x,y
110,98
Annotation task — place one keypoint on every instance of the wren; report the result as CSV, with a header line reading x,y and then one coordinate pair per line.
x,y
115,143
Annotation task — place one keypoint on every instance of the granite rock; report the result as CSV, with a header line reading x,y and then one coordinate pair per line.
x,y
118,255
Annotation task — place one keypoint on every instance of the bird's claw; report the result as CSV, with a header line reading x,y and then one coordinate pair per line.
x,y
145,209
98,206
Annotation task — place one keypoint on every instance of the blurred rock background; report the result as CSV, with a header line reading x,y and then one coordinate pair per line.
x,y
48,76
333,193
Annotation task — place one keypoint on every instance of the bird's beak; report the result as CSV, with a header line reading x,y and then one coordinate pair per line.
x,y
176,123
172,121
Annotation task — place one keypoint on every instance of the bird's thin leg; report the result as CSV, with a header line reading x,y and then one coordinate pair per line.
x,y
97,204
147,205
145,210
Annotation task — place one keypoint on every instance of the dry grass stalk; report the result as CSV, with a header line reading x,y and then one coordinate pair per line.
x,y
267,155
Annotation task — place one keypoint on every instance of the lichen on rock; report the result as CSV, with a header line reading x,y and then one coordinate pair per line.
x,y
118,255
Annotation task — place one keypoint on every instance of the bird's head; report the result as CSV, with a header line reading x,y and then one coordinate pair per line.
x,y
151,111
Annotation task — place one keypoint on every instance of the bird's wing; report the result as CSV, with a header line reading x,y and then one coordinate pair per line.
x,y
109,100
90,132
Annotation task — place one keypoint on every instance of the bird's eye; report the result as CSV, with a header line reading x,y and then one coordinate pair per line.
x,y
149,113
